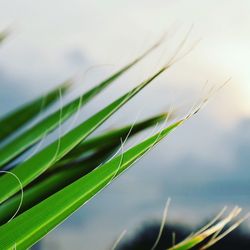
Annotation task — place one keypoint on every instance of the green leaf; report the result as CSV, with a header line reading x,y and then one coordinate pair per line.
x,y
38,131
14,120
111,137
188,244
32,225
203,240
36,165
52,181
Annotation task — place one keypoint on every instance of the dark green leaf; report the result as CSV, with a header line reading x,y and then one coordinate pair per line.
x,y
32,225
14,120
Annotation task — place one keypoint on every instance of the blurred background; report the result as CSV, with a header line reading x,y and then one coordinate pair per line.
x,y
204,164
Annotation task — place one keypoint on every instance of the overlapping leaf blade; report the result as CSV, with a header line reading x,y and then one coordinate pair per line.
x,y
19,117
38,131
32,225
36,165
52,183
111,137
103,145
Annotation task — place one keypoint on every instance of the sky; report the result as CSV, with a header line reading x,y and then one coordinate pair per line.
x,y
203,165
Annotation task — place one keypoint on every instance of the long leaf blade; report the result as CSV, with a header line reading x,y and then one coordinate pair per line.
x,y
38,131
112,137
32,225
16,119
36,165
58,178
51,183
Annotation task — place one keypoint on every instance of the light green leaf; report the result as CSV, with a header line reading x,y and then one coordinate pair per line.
x,y
58,178
32,225
212,232
111,137
38,131
14,120
37,164
51,183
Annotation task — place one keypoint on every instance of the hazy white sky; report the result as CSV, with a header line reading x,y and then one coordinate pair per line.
x,y
49,35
